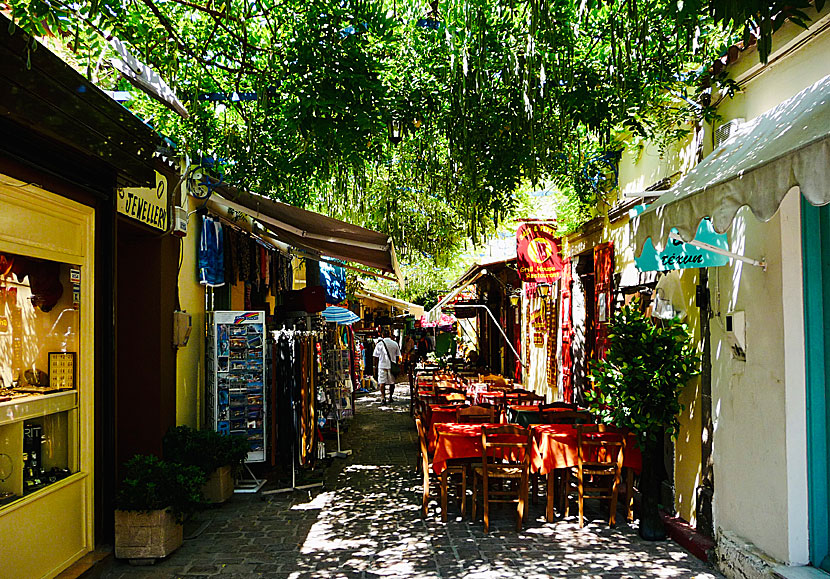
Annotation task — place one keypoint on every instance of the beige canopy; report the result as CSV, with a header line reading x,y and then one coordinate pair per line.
x,y
316,232
781,149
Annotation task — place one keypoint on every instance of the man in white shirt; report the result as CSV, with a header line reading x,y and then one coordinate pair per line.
x,y
386,351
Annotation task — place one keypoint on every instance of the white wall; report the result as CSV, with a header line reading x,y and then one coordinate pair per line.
x,y
759,406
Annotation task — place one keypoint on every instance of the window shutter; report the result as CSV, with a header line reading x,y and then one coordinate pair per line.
x,y
603,295
567,332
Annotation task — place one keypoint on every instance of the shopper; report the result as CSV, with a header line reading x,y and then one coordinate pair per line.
x,y
386,352
408,356
423,348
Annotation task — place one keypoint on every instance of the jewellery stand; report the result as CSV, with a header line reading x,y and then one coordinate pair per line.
x,y
339,453
293,486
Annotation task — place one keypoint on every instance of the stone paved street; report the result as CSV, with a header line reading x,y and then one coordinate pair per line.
x,y
366,523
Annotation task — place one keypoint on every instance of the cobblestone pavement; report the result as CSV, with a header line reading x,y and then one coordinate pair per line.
x,y
366,523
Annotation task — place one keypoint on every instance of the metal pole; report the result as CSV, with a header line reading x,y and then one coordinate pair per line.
x,y
719,251
496,323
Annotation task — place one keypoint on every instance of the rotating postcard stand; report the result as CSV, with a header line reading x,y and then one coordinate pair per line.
x,y
236,384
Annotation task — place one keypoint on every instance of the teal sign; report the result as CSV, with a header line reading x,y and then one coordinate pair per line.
x,y
680,255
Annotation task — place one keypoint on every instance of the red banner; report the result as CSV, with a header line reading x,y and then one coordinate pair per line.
x,y
537,253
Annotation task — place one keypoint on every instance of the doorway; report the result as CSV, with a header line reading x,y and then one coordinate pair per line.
x,y
145,388
815,232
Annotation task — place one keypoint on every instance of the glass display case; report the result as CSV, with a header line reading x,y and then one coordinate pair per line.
x,y
39,322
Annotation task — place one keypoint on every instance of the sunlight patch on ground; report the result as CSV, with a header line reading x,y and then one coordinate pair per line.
x,y
317,503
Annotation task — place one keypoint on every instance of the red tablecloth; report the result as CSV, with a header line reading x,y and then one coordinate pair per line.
x,y
438,415
554,446
456,441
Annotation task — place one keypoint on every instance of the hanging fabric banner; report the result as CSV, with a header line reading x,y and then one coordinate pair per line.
x,y
537,253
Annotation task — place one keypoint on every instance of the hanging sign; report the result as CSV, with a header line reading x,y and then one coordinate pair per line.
x,y
145,204
537,253
679,255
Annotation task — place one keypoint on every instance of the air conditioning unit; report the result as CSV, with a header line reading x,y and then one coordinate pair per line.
x,y
726,130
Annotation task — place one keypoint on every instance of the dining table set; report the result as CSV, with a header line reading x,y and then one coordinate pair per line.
x,y
565,448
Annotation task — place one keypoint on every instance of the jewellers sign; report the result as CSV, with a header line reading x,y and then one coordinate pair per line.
x,y
145,204
537,253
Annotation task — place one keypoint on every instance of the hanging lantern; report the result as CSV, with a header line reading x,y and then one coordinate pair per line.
x,y
395,131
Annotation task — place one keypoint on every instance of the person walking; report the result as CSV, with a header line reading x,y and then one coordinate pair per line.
x,y
386,352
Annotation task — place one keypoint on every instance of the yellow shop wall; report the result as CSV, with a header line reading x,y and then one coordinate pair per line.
x,y
190,359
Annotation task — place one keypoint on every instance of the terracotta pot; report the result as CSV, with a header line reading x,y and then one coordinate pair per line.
x,y
219,486
146,535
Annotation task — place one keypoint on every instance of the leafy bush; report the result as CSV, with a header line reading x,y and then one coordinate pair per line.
x,y
205,449
646,367
151,484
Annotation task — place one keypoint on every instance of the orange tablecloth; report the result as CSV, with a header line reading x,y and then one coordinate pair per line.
x,y
456,441
554,446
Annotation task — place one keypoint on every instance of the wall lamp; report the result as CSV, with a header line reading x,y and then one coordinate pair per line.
x,y
543,290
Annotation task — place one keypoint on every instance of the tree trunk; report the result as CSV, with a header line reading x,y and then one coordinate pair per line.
x,y
651,524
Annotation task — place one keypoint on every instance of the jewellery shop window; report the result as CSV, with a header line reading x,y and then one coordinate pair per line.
x,y
39,321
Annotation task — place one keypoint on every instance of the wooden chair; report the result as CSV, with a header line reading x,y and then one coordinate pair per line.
x,y
475,415
527,397
505,456
425,462
599,466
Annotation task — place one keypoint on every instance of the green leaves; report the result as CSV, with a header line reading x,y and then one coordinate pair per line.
x,y
646,367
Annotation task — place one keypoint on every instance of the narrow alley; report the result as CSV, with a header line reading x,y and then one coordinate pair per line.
x,y
365,523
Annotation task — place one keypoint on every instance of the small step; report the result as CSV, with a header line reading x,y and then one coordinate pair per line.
x,y
91,566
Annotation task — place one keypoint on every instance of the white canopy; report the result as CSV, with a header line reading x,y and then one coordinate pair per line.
x,y
783,148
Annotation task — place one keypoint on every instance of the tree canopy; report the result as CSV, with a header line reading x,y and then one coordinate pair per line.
x,y
423,120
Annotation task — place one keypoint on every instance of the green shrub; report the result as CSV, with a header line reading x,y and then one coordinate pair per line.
x,y
151,484
205,449
647,365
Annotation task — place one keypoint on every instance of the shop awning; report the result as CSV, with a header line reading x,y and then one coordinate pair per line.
x,y
409,307
473,273
316,232
781,149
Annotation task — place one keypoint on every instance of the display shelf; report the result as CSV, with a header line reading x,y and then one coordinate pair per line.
x,y
37,405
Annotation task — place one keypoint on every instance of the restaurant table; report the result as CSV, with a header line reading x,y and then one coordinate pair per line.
x,y
438,414
554,447
524,414
474,391
456,441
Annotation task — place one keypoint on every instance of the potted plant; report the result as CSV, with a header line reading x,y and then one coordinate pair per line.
x,y
218,456
637,386
154,498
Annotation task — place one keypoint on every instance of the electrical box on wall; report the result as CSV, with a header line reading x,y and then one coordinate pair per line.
x,y
736,334
179,221
182,324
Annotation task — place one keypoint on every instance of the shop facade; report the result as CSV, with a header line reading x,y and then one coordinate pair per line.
x,y
766,190
67,148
